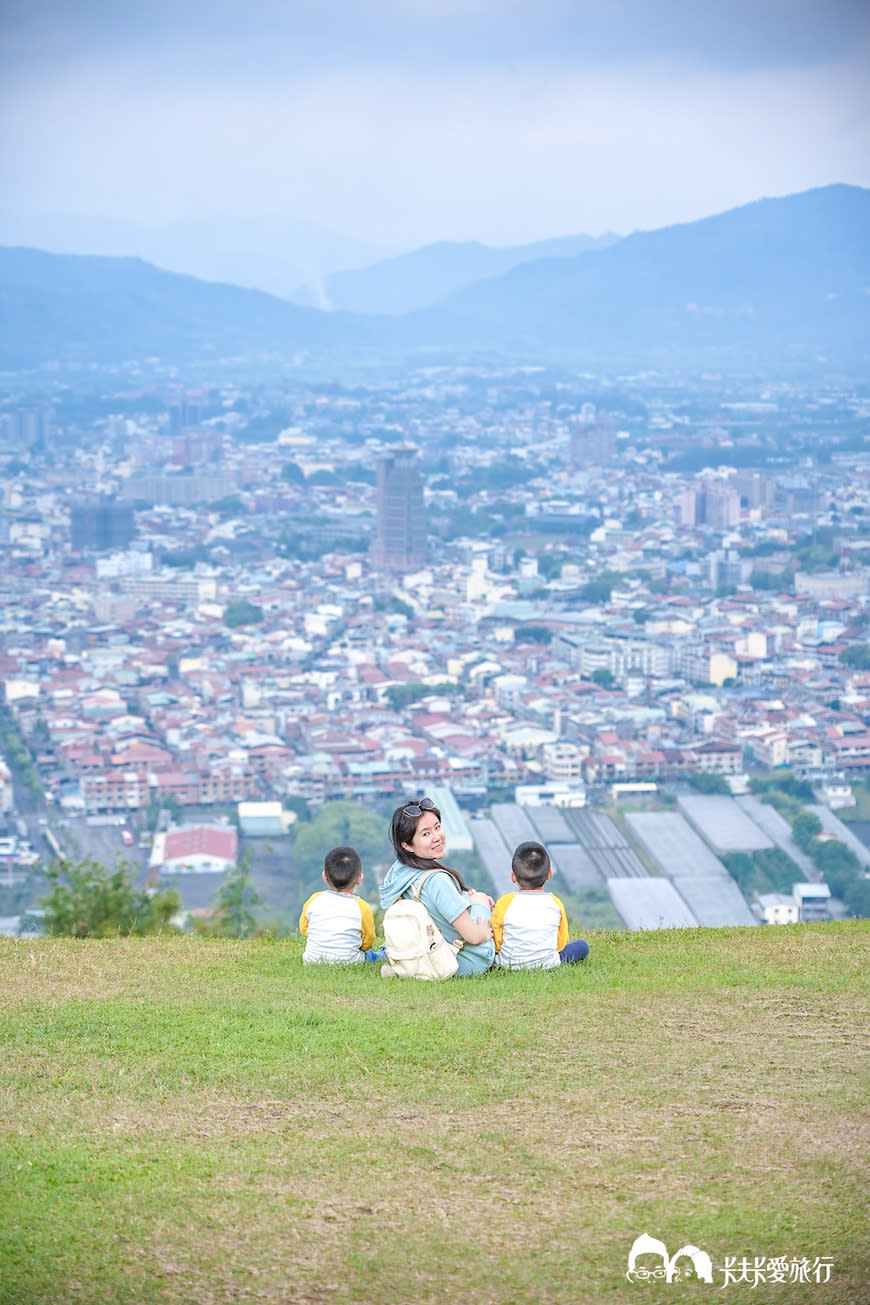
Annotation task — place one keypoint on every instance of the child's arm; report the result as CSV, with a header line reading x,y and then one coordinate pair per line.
x,y
498,914
563,935
367,924
303,919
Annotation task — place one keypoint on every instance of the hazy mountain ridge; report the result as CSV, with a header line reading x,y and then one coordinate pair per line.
x,y
273,254
775,283
798,266
419,279
70,307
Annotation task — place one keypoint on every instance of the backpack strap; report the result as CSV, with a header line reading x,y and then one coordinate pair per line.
x,y
416,888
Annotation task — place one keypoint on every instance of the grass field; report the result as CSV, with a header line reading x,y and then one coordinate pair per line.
x,y
199,1122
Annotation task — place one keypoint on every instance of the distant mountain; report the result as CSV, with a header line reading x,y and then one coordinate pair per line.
x,y
421,278
780,279
781,284
71,308
274,254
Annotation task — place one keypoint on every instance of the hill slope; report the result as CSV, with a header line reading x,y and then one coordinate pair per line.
x,y
419,279
91,309
191,1121
781,278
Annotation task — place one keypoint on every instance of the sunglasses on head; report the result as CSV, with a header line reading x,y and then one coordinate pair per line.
x,y
417,808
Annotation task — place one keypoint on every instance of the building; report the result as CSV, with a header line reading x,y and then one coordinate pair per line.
x,y
183,414
178,490
101,525
776,908
25,428
593,442
813,901
195,849
400,530
264,819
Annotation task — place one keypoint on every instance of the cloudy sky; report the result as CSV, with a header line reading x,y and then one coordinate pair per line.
x,y
405,121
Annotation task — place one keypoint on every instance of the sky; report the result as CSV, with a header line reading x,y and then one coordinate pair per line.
x,y
401,122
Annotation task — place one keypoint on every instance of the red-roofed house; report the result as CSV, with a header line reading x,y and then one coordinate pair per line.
x,y
195,849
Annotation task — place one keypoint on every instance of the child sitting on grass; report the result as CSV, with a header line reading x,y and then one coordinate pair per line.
x,y
339,926
530,927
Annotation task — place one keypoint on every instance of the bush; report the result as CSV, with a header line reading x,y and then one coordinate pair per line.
x,y
706,781
235,902
241,612
88,900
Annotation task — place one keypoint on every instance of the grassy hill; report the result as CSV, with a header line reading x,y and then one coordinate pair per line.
x,y
202,1121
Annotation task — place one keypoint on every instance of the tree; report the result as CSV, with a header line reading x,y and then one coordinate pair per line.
x,y
532,634
837,863
605,677
550,564
293,473
856,897
229,506
235,902
400,696
805,827
857,656
89,900
337,824
706,781
599,590
241,612
741,867
294,802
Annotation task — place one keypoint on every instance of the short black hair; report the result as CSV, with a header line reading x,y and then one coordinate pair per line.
x,y
342,867
531,865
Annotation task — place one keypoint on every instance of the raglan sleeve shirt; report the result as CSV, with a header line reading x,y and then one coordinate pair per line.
x,y
498,915
367,921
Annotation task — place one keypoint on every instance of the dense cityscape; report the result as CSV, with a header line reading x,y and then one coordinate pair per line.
x,y
231,604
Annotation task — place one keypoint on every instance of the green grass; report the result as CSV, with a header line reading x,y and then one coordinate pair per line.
x,y
203,1121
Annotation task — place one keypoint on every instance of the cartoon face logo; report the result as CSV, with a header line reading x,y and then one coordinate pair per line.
x,y
701,1265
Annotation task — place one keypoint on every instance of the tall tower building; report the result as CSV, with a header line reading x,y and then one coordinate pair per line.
x,y
593,441
101,525
400,530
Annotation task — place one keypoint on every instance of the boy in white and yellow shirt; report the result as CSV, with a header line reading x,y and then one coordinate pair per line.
x,y
530,927
339,926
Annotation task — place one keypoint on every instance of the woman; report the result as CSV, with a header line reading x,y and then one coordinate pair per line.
x,y
419,842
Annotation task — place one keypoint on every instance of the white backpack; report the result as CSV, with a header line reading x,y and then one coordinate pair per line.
x,y
415,946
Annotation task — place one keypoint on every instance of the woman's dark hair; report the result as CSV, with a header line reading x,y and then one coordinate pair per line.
x,y
402,830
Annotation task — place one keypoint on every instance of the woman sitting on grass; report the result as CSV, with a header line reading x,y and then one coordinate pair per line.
x,y
419,842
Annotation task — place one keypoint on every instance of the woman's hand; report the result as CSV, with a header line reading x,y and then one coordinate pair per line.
x,y
472,931
482,899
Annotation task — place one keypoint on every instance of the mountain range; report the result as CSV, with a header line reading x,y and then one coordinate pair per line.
x,y
777,283
421,278
274,254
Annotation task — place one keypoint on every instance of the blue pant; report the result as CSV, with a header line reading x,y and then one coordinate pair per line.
x,y
379,955
574,951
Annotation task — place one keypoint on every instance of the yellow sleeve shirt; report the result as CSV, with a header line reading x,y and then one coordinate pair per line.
x,y
338,927
530,929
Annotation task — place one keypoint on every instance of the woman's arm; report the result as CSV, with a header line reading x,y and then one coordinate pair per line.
x,y
472,931
483,899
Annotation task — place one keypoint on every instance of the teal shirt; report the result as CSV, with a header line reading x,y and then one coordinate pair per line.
x,y
444,902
